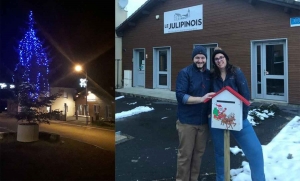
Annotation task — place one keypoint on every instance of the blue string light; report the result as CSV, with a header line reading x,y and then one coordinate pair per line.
x,y
34,60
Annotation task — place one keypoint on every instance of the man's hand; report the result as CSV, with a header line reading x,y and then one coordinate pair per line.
x,y
197,100
207,96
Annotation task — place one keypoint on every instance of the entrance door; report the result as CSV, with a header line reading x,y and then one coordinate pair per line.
x,y
270,70
139,67
162,62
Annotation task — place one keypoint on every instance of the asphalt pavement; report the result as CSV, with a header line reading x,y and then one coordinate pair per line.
x,y
102,138
148,150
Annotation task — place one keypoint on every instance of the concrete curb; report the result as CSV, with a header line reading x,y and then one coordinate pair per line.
x,y
52,137
80,124
120,138
4,135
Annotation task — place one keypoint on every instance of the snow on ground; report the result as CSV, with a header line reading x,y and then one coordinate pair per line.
x,y
235,150
120,97
261,114
132,112
133,103
281,155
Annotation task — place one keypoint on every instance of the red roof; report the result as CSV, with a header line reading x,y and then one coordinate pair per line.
x,y
236,94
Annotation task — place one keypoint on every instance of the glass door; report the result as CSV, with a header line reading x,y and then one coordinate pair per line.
x,y
273,71
139,67
270,68
162,68
258,57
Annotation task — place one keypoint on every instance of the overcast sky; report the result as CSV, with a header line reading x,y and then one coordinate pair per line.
x,y
133,5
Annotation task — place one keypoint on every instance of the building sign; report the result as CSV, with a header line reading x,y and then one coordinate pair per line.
x,y
186,19
295,21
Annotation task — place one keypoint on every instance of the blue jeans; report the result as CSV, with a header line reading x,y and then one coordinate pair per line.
x,y
249,143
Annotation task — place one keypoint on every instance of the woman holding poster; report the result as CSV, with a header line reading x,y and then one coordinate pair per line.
x,y
225,74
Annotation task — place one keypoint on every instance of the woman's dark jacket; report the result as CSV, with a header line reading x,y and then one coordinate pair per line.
x,y
236,81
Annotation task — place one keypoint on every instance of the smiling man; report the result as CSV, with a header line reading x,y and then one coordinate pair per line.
x,y
192,87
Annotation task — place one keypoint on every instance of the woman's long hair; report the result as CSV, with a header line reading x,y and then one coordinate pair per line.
x,y
215,71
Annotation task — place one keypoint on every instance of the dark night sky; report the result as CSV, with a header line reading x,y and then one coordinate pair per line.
x,y
73,32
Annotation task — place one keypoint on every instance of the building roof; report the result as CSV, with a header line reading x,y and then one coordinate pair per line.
x,y
150,4
141,12
294,4
236,94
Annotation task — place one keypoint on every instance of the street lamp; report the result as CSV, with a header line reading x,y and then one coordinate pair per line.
x,y
79,68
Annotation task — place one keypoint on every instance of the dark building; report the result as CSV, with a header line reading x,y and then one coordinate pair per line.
x,y
100,107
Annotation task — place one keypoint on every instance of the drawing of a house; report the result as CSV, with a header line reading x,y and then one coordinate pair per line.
x,y
179,16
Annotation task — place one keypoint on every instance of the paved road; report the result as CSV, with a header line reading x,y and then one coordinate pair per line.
x,y
152,152
102,138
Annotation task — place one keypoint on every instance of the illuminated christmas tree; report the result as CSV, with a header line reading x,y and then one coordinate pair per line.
x,y
33,66
31,78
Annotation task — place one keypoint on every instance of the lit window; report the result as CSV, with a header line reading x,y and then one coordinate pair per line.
x,y
65,94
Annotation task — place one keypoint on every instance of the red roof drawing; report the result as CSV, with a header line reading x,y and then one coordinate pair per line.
x,y
236,94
